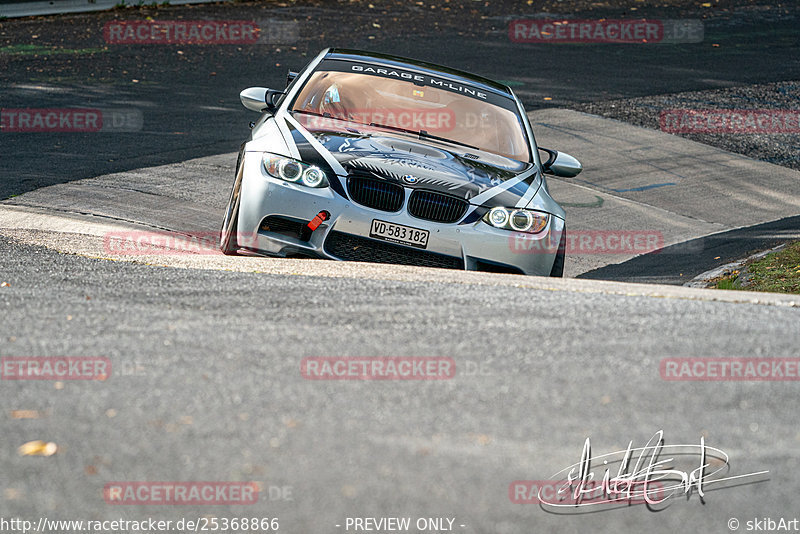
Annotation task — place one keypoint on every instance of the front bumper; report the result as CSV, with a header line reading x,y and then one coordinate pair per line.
x,y
345,236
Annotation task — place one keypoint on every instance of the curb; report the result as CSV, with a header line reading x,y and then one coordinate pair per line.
x,y
71,233
703,280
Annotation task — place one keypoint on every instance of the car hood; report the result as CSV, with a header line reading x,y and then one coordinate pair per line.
x,y
479,177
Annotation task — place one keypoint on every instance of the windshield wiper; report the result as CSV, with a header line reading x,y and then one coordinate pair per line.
x,y
323,115
422,134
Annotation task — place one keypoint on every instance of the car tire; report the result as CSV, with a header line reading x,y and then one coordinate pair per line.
x,y
228,241
558,265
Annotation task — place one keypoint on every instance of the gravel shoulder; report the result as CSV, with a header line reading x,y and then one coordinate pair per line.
x,y
778,148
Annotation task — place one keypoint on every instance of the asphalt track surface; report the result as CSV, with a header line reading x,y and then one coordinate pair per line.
x,y
206,350
206,385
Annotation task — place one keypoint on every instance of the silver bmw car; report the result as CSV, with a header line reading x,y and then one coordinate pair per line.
x,y
376,158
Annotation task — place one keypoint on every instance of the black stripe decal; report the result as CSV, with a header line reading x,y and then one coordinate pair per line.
x,y
308,154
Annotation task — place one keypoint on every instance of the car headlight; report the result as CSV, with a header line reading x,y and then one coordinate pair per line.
x,y
518,220
291,170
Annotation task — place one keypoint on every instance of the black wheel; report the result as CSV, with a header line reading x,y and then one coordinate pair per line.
x,y
558,265
228,242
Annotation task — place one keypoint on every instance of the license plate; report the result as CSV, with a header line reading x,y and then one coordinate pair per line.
x,y
397,233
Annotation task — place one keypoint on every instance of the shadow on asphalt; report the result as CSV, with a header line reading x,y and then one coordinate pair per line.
x,y
678,264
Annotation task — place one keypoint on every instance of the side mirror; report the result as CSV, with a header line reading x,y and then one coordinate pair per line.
x,y
260,99
561,164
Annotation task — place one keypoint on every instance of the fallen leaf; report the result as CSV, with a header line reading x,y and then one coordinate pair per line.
x,y
482,439
38,448
5,284
24,414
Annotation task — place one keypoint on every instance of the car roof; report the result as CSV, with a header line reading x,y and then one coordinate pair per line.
x,y
420,66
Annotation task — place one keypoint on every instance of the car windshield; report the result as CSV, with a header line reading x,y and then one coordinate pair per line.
x,y
403,105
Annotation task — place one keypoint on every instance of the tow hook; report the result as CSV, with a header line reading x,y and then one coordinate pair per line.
x,y
313,224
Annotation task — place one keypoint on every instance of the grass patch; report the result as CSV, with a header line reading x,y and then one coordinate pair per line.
x,y
728,282
778,272
30,50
